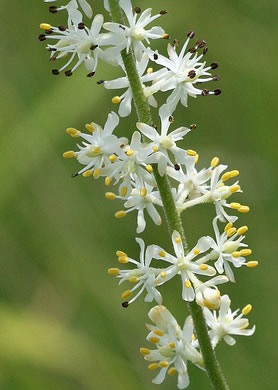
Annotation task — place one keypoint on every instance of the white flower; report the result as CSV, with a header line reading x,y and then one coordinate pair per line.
x,y
174,346
184,71
126,98
134,34
140,198
183,265
207,294
227,323
143,276
131,165
192,183
163,143
79,42
225,249
72,7
100,145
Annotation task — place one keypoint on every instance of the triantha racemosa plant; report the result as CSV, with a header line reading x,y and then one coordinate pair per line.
x,y
151,172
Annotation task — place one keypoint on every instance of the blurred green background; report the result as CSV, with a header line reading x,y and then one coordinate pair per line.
x,y
61,321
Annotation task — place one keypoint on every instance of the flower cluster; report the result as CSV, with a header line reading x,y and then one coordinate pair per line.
x,y
154,152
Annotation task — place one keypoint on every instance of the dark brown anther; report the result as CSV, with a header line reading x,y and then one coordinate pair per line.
x,y
53,9
171,119
42,37
137,10
217,91
61,27
74,175
176,42
55,71
190,34
205,50
100,82
191,74
193,126
52,58
125,304
205,92
93,47
214,65
201,43
122,27
163,12
49,31
192,50
177,167
216,78
81,26
51,49
154,126
91,74
68,73
155,56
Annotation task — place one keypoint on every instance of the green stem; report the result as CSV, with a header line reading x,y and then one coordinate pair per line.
x,y
172,216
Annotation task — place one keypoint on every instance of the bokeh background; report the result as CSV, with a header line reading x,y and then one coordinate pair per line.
x,y
61,321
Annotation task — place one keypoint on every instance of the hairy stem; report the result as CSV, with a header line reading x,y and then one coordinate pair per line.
x,y
172,216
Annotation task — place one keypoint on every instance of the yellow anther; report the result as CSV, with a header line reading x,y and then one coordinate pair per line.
x,y
234,173
144,351
73,132
196,158
143,191
154,339
113,271
69,154
155,148
87,173
96,172
123,259
90,127
110,195
163,363
228,226
172,344
159,332
149,168
97,149
243,209
236,254
45,26
165,36
208,304
203,267
149,70
245,326
235,205
245,252
133,279
172,371
162,253
252,264
193,337
107,180
130,152
191,152
246,310
231,231
242,230
126,294
120,214
116,99
153,366
196,251
226,176
112,157
234,188
178,239
121,253
187,283
214,162
163,274
123,190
